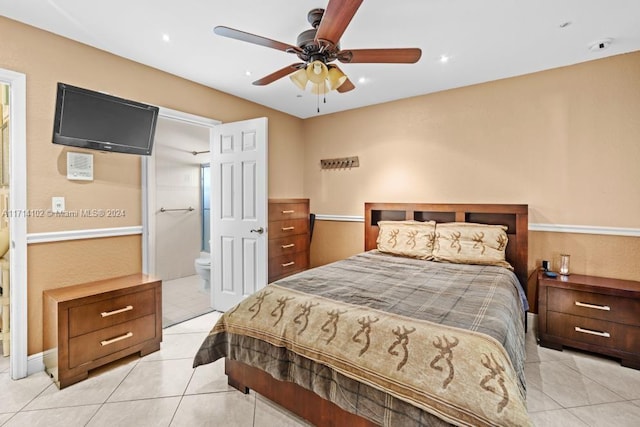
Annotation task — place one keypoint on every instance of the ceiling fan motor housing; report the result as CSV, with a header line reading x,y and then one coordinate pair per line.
x,y
311,49
307,39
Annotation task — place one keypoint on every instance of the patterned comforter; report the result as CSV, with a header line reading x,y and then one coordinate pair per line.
x,y
396,340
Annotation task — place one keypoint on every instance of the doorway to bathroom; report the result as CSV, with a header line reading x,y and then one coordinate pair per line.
x,y
180,210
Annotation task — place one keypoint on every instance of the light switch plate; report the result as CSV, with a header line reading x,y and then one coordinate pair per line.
x,y
57,204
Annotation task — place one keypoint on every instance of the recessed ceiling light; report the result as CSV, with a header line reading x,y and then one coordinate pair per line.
x,y
362,80
166,38
247,73
600,45
444,59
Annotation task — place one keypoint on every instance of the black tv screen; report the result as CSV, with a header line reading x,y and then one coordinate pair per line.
x,y
98,121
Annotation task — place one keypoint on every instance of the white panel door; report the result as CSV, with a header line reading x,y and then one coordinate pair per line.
x,y
238,211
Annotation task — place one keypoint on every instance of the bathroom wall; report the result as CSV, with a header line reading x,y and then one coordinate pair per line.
x,y
178,234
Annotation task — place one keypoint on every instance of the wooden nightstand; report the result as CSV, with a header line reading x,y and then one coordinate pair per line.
x,y
591,313
92,324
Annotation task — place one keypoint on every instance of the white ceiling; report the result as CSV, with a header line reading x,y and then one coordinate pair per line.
x,y
484,39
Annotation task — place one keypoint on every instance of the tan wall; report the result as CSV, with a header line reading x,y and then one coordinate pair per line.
x,y
54,265
564,141
46,59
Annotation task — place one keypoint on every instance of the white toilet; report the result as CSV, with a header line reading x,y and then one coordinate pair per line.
x,y
203,268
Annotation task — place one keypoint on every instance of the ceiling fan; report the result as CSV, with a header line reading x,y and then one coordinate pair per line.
x,y
319,46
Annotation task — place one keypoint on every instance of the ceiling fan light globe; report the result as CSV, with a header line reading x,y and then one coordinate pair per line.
x,y
317,72
319,88
336,78
299,78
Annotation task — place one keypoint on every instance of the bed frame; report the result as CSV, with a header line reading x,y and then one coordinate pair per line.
x,y
321,412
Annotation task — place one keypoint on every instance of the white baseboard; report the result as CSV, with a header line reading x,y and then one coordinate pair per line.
x,y
35,363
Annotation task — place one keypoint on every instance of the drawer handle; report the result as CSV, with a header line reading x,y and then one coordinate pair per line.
x,y
290,245
288,264
597,307
111,313
116,339
288,228
589,331
288,212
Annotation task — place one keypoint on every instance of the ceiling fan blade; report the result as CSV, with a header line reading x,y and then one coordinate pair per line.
x,y
252,38
346,86
336,17
397,56
278,74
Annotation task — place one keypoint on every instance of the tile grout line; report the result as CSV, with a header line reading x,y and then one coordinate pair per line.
x,y
113,391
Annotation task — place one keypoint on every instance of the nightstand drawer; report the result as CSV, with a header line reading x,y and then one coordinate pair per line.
x,y
593,305
285,228
102,314
288,245
89,347
282,211
594,331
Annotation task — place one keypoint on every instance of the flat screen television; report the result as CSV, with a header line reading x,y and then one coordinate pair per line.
x,y
98,121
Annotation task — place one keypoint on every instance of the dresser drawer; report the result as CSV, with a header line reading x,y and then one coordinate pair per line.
x,y
287,264
594,331
286,228
102,314
593,305
89,347
286,211
288,245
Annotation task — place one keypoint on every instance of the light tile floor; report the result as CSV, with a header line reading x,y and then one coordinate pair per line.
x,y
564,389
183,299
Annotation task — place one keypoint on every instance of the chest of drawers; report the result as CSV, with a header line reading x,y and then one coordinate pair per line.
x,y
288,237
591,313
89,325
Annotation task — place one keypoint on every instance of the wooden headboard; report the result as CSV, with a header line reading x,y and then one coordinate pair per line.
x,y
515,217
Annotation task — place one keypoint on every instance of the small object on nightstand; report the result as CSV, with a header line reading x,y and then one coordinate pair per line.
x,y
550,274
564,264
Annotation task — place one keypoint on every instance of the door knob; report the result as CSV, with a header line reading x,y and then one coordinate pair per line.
x,y
259,230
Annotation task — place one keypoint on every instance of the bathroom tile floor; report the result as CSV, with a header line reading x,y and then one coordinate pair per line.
x,y
565,389
183,299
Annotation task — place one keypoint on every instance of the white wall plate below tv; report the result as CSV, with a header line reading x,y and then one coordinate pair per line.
x,y
80,166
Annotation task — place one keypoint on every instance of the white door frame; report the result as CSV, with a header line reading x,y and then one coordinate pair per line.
x,y
149,184
18,221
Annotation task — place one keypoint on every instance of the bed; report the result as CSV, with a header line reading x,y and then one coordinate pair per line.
x,y
383,339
